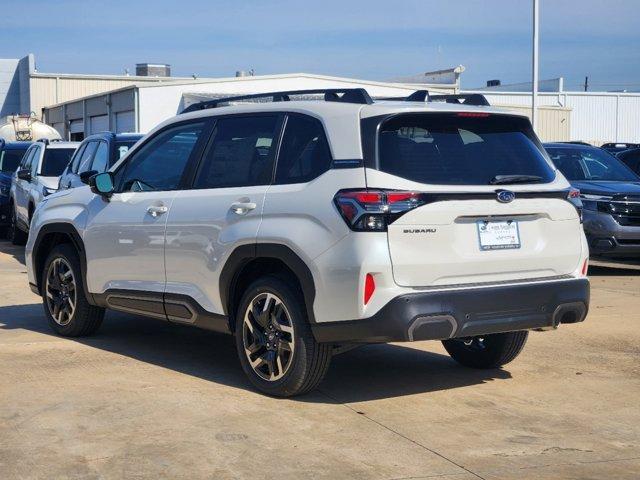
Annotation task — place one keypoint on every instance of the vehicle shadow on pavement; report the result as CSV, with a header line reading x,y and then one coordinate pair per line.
x,y
16,251
597,271
366,373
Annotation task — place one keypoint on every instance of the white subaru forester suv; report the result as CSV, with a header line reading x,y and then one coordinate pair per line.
x,y
304,227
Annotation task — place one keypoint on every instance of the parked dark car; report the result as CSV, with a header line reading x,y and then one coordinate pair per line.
x,y
610,194
97,153
619,147
10,155
631,158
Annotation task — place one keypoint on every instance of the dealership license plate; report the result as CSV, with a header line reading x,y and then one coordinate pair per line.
x,y
498,235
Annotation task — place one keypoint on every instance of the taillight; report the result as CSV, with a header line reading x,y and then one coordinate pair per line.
x,y
574,197
374,210
369,287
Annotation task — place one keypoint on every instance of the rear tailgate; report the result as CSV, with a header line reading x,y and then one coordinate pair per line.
x,y
459,229
440,243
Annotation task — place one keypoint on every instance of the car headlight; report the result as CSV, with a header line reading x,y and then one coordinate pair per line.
x,y
590,202
46,191
4,190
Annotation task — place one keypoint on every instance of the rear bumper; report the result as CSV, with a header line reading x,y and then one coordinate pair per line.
x,y
439,315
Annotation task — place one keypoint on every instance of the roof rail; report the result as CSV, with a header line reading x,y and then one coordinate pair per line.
x,y
424,96
43,140
461,98
345,95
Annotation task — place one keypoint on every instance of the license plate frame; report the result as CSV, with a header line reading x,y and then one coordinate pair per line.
x,y
498,235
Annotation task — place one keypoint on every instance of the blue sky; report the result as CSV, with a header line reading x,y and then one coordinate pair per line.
x,y
362,39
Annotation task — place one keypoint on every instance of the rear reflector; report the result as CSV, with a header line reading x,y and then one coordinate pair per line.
x,y
585,267
369,287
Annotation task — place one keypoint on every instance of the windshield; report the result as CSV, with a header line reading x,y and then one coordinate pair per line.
x,y
590,164
462,149
55,161
10,159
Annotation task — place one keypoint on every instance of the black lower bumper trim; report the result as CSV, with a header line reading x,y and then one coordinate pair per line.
x,y
469,312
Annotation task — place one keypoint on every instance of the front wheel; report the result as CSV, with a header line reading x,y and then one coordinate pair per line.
x,y
63,295
486,351
275,344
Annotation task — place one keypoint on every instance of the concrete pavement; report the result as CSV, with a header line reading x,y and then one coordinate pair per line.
x,y
144,399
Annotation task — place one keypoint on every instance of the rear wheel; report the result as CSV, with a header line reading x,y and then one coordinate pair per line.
x,y
65,304
17,236
486,351
275,344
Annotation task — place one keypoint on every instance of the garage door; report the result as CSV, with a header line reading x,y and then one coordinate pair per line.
x,y
125,122
76,126
99,123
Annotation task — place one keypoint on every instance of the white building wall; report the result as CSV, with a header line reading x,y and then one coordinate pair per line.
x,y
596,117
158,103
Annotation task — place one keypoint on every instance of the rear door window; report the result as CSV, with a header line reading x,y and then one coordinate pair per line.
x,y
10,159
304,154
461,149
241,153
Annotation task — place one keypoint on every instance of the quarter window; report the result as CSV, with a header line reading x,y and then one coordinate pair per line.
x,y
160,163
305,153
241,153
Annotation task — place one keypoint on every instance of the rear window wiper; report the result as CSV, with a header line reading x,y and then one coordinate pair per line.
x,y
508,179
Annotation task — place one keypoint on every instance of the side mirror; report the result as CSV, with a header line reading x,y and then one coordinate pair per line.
x,y
85,177
102,184
24,174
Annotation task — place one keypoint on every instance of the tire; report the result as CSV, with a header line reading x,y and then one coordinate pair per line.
x,y
81,320
302,363
488,351
17,236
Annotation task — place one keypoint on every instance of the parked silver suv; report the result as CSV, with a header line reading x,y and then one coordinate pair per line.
x,y
305,226
37,176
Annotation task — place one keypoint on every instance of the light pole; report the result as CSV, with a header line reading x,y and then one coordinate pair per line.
x,y
534,83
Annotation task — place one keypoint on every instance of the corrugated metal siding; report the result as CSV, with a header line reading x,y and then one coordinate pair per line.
x,y
554,123
596,118
47,90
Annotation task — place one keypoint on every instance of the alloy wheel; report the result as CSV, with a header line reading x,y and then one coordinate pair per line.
x,y
268,336
61,291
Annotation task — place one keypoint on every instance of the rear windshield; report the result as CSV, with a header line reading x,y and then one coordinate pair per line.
x,y
462,149
10,159
590,164
55,161
122,148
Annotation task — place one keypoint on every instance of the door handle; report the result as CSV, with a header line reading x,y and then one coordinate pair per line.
x,y
242,208
155,210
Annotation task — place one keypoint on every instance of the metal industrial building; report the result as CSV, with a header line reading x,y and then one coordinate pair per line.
x,y
140,107
23,89
77,105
